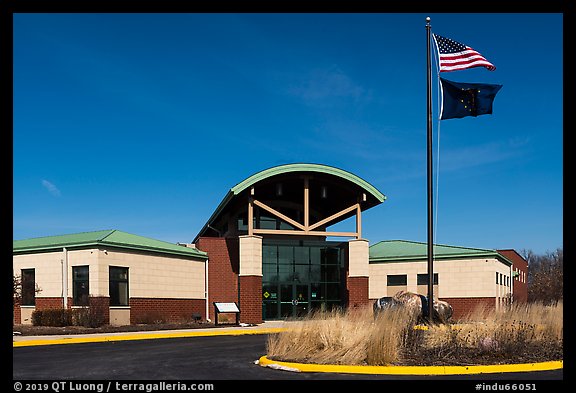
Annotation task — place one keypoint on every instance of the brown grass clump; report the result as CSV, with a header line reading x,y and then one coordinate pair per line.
x,y
352,337
509,333
521,333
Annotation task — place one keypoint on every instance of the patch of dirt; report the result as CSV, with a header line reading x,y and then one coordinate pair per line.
x,y
472,356
29,330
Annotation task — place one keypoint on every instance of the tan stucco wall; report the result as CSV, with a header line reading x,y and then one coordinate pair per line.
x,y
153,276
250,255
456,278
150,275
26,314
358,255
48,269
119,316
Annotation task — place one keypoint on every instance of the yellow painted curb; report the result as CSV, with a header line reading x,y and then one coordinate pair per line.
x,y
141,336
413,370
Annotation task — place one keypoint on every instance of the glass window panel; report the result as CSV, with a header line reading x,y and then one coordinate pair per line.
x,y
123,293
243,221
315,257
331,256
118,286
267,222
331,273
316,292
28,287
270,309
269,272
270,292
285,255
302,273
396,280
285,272
285,225
333,291
423,279
302,255
269,254
315,273
80,272
80,285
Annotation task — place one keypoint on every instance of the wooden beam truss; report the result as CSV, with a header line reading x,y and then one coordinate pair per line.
x,y
304,229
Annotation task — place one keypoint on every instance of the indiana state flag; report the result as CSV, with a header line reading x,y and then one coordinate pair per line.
x,y
466,99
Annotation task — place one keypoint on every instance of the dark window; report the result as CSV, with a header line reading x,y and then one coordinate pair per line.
x,y
497,282
395,280
28,278
119,286
80,285
423,279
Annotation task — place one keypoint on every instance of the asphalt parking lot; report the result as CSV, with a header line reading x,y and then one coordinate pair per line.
x,y
192,358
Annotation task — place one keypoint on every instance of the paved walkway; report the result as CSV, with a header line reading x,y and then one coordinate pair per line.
x,y
264,328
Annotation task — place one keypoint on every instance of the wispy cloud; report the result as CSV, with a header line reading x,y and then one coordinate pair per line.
x,y
52,189
326,86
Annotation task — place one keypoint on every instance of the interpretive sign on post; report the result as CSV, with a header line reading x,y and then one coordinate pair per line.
x,y
220,308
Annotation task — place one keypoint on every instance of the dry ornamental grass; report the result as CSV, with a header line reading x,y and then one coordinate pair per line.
x,y
517,334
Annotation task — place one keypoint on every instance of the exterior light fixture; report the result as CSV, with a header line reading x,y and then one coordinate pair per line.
x,y
324,192
279,189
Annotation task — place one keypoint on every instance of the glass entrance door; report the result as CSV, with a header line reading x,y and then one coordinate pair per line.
x,y
300,301
298,277
294,301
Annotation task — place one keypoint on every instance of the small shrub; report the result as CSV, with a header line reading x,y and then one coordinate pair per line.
x,y
37,318
150,318
55,317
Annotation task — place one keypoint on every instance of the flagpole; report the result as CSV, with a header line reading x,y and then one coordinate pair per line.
x,y
429,175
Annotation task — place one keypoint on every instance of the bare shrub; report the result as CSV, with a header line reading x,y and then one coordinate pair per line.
x,y
505,333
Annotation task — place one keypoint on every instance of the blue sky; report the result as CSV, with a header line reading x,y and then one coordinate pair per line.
x,y
142,122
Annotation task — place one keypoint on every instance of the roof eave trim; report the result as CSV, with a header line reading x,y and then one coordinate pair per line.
x,y
195,254
277,170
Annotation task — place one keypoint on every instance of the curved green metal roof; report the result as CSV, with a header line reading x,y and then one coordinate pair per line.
x,y
277,170
287,168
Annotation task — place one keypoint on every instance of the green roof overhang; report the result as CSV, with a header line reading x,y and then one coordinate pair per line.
x,y
105,238
392,251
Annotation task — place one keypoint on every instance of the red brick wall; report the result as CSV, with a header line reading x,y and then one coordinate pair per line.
x,y
147,310
102,303
46,303
464,305
17,314
520,289
251,299
223,269
357,288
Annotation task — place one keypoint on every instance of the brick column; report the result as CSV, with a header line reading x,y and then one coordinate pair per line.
x,y
358,273
17,312
250,279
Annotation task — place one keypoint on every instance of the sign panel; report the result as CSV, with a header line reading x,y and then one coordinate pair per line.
x,y
226,307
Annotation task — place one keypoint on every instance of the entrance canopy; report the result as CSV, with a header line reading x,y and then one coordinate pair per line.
x,y
293,199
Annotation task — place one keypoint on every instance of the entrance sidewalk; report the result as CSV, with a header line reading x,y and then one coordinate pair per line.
x,y
264,328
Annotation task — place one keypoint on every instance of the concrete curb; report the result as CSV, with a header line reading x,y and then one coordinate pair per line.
x,y
30,341
410,370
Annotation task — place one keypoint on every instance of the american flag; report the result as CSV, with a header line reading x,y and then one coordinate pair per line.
x,y
455,56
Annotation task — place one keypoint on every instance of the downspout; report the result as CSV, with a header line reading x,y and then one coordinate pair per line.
x,y
65,278
206,290
511,285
